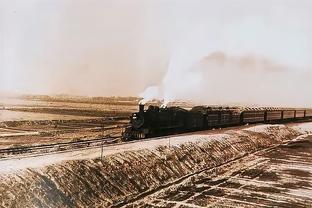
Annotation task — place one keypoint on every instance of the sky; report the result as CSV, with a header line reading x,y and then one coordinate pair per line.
x,y
122,47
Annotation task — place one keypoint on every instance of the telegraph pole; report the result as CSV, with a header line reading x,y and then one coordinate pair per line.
x,y
169,142
102,150
102,143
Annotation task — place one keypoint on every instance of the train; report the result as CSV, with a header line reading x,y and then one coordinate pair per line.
x,y
157,121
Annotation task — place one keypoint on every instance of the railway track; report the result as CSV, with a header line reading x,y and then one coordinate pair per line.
x,y
110,138
56,147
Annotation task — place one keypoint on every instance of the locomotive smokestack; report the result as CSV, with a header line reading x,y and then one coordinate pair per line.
x,y
141,108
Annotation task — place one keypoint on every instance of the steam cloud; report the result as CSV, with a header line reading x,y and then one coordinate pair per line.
x,y
249,59
233,80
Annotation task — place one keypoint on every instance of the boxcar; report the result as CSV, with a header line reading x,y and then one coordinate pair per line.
x,y
252,116
225,118
299,114
273,115
213,119
288,114
308,113
235,117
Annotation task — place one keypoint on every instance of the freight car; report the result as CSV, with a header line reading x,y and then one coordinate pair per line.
x,y
157,121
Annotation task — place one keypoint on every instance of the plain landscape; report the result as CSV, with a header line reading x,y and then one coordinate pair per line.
x,y
248,166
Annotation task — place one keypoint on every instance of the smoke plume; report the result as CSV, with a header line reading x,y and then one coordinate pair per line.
x,y
220,79
256,57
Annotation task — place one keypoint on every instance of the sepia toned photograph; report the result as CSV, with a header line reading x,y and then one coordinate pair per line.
x,y
155,103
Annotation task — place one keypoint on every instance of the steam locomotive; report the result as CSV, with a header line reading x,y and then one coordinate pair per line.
x,y
156,121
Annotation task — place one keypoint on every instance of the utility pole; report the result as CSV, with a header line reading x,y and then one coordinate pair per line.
x,y
102,150
169,142
102,142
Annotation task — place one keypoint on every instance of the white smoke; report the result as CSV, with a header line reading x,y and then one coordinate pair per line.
x,y
254,61
150,94
226,80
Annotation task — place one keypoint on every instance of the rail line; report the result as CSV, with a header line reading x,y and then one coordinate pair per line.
x,y
57,147
111,138
61,147
108,140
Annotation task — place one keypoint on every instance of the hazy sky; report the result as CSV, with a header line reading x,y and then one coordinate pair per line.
x,y
120,47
